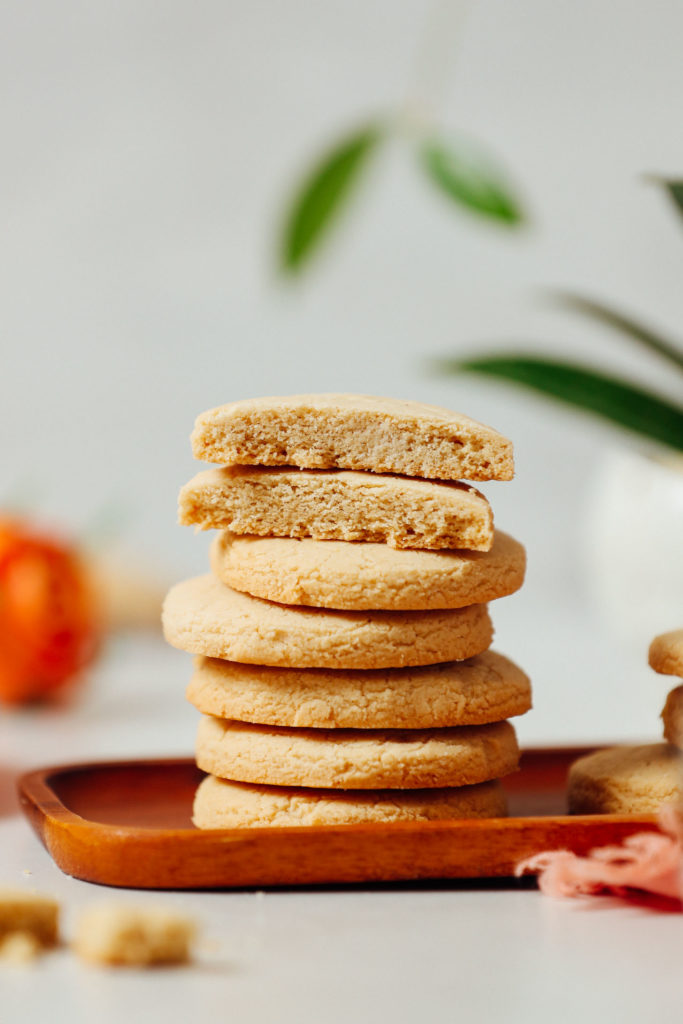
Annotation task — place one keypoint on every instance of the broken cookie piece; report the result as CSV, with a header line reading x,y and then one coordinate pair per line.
x,y
28,923
338,431
117,935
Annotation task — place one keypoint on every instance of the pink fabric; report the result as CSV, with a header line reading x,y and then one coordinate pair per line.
x,y
650,862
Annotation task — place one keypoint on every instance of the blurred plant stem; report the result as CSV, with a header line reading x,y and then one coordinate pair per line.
x,y
434,61
461,170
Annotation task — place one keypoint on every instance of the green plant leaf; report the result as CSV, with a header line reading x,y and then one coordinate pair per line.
x,y
674,188
609,397
620,322
471,180
322,195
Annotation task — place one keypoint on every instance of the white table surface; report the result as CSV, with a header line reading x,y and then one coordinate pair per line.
x,y
395,953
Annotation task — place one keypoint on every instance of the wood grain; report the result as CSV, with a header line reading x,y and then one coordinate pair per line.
x,y
128,824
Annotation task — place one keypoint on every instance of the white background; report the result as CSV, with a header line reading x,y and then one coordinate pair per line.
x,y
148,151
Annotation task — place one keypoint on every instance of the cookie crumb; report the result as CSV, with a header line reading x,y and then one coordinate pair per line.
x,y
20,948
29,914
117,935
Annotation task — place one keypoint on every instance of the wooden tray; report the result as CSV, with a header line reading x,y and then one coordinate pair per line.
x,y
127,824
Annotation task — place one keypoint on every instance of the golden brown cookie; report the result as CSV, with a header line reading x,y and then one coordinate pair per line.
x,y
331,431
626,780
336,574
356,758
338,505
222,804
486,688
202,616
672,716
666,653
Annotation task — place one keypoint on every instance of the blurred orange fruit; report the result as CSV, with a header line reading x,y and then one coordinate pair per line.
x,y
49,621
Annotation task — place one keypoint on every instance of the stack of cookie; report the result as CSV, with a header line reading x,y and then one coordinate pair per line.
x,y
638,779
344,670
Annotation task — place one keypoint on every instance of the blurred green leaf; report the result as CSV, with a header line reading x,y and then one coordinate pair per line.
x,y
674,188
322,195
471,180
616,400
619,322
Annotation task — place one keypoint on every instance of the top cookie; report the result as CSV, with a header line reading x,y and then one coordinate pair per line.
x,y
330,431
666,653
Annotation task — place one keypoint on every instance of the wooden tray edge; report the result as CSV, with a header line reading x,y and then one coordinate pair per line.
x,y
148,858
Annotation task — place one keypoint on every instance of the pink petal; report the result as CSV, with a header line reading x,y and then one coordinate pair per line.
x,y
648,861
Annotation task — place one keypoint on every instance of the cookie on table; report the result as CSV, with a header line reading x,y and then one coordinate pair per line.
x,y
203,616
666,653
338,505
222,804
356,758
626,780
672,716
336,574
486,688
341,431
117,934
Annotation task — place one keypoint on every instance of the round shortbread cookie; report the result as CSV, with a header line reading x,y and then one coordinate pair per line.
x,y
666,653
355,758
626,780
222,804
337,574
340,431
486,688
672,716
203,616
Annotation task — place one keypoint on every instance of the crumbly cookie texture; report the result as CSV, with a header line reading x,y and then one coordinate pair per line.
x,y
338,505
336,574
203,616
666,653
486,688
29,914
672,716
626,780
222,804
120,935
356,758
336,431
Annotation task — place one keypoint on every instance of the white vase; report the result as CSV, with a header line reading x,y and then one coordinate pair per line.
x,y
633,546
